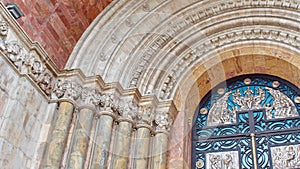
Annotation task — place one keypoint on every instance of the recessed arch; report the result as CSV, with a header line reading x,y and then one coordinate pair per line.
x,y
239,60
246,121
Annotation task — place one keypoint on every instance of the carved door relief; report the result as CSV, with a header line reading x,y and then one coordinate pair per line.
x,y
252,122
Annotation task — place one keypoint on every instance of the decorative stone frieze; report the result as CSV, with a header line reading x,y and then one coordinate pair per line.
x,y
183,20
26,62
194,54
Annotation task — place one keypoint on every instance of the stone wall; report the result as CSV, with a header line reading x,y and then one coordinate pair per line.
x,y
25,118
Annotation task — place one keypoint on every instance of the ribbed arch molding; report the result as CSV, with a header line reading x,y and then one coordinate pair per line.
x,y
154,45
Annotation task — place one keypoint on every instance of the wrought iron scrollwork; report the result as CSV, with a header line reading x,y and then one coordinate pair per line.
x,y
255,120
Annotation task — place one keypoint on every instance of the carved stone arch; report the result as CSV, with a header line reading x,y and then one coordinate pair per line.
x,y
204,76
132,61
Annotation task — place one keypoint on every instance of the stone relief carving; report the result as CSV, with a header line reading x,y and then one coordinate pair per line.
x,y
107,102
90,96
3,34
17,54
163,121
222,160
286,156
253,33
67,89
167,87
281,107
145,115
25,63
129,109
184,20
45,81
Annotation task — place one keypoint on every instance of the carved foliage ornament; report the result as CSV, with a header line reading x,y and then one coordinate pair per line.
x,y
26,63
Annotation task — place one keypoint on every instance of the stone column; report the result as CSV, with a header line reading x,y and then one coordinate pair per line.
x,y
141,148
160,141
81,138
59,135
102,139
142,139
159,151
123,136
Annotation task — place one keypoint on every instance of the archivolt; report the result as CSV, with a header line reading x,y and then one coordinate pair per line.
x,y
156,45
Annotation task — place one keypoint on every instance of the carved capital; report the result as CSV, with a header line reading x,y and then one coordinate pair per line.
x,y
145,115
45,81
107,103
67,89
129,110
163,121
90,96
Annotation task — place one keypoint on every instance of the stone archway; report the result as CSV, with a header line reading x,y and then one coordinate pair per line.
x,y
227,64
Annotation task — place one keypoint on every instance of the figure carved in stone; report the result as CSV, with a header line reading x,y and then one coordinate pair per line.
x,y
17,54
45,81
67,89
130,110
163,121
34,66
3,34
145,116
90,96
107,102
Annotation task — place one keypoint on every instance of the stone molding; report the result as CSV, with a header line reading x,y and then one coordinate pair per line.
x,y
30,60
148,67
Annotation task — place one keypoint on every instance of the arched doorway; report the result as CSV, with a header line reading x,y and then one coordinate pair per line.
x,y
250,121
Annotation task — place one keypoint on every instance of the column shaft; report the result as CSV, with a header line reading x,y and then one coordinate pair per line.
x,y
59,135
102,143
159,151
122,146
81,139
141,148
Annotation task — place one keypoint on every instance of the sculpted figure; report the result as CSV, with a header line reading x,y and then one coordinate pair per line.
x,y
290,156
277,158
215,161
228,163
3,35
